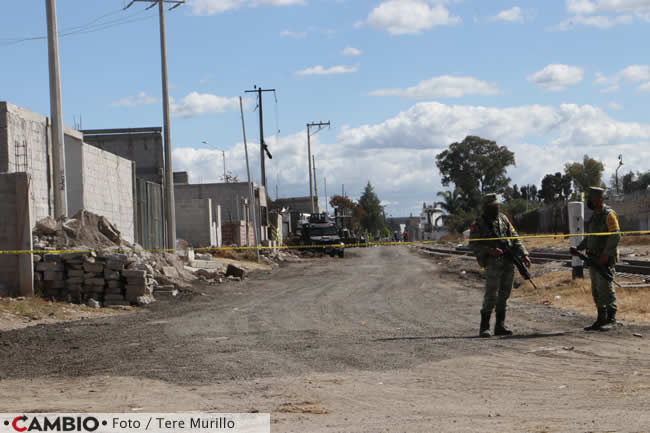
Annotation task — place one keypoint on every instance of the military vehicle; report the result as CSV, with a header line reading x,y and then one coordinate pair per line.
x,y
319,230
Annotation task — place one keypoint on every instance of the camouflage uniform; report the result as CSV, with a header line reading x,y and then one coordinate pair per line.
x,y
499,271
602,290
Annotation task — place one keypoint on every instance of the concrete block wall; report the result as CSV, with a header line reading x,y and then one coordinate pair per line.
x,y
16,271
25,146
108,188
194,222
633,211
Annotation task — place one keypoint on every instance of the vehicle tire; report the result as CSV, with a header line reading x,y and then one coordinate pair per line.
x,y
341,253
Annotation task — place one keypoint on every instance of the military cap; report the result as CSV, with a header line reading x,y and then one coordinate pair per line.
x,y
596,192
490,199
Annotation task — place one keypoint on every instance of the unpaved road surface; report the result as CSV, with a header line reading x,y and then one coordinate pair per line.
x,y
381,341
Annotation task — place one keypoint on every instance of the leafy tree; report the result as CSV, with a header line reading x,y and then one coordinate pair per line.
x,y
373,220
528,192
516,194
585,174
477,166
555,187
230,178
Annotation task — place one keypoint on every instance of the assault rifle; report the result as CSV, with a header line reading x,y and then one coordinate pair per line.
x,y
590,261
509,254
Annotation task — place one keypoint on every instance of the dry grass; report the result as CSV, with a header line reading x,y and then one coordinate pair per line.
x,y
630,240
575,295
550,242
19,312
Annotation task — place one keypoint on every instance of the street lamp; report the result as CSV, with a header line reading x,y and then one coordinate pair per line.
x,y
620,163
223,152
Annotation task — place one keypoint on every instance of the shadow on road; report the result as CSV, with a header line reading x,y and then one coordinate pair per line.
x,y
471,337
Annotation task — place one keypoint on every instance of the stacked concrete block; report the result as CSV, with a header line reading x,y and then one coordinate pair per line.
x,y
80,277
139,282
49,277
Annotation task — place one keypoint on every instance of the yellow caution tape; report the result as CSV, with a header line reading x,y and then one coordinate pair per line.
x,y
356,245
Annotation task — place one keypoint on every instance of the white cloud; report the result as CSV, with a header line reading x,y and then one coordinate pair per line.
x,y
645,87
334,70
400,17
630,74
351,51
195,104
398,154
615,106
292,34
510,15
556,77
142,98
604,14
212,7
446,86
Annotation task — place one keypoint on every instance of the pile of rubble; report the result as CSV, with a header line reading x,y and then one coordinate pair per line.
x,y
103,269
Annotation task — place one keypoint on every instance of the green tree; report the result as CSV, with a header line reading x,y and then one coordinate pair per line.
x,y
555,187
585,174
477,166
373,220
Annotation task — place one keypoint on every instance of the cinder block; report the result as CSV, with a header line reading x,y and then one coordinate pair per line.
x,y
133,273
52,276
49,267
94,267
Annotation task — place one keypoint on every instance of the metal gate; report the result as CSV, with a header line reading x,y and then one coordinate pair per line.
x,y
149,222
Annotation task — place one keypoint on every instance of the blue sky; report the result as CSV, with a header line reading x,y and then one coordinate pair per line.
x,y
399,79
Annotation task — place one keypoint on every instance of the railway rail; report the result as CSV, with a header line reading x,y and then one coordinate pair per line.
x,y
627,266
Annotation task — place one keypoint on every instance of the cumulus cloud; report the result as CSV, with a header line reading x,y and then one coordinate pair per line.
x,y
446,86
615,106
351,51
212,7
142,98
398,154
334,70
604,14
630,74
401,17
556,77
512,15
195,104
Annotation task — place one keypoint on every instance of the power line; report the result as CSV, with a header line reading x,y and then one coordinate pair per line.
x,y
90,27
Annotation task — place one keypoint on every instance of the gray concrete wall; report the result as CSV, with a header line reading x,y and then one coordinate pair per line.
x,y
25,147
73,168
142,145
16,271
108,188
194,222
633,211
228,195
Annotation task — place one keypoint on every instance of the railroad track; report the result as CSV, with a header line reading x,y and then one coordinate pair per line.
x,y
628,266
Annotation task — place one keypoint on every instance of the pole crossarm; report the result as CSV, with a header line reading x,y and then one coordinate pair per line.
x,y
176,3
320,125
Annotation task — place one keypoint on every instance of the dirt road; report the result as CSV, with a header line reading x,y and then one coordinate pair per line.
x,y
382,340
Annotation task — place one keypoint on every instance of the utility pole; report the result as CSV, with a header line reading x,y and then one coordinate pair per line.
x,y
326,207
58,139
251,193
315,182
263,147
170,209
319,125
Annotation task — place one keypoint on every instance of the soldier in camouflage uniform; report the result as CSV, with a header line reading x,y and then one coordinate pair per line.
x,y
499,272
604,250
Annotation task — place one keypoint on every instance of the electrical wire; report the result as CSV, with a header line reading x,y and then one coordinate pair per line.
x,y
92,26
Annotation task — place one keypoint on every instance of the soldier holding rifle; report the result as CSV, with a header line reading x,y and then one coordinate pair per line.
x,y
498,257
602,254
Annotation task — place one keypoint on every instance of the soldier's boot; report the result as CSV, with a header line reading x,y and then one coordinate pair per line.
x,y
499,326
610,323
600,321
484,332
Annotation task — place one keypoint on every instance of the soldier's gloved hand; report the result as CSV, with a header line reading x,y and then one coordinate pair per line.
x,y
573,251
495,252
604,259
526,261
